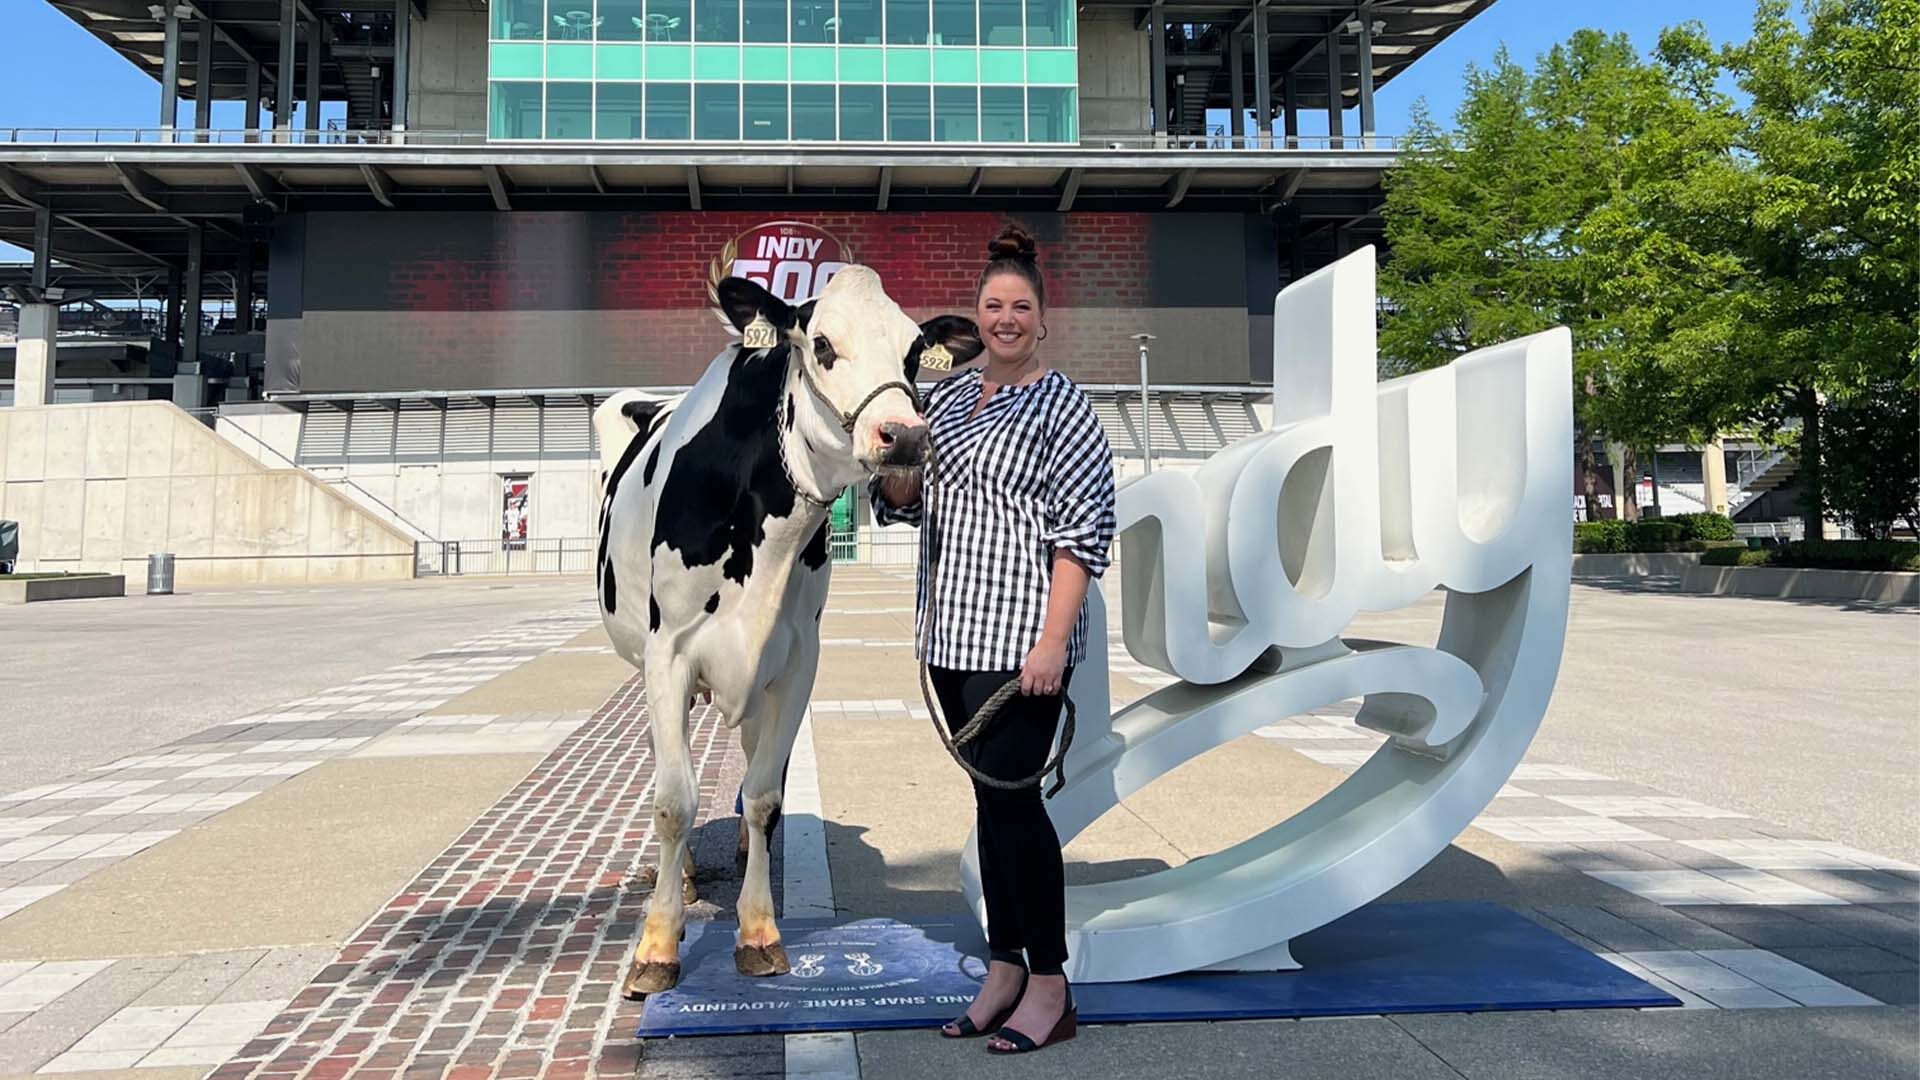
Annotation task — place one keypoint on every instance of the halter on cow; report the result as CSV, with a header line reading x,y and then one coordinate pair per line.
x,y
722,543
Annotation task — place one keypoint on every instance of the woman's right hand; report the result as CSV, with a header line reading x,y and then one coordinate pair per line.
x,y
901,488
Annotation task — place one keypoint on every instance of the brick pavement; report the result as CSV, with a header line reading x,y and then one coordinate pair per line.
x,y
504,957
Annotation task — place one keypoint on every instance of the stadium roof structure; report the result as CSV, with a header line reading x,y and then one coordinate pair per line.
x,y
127,207
358,37
130,204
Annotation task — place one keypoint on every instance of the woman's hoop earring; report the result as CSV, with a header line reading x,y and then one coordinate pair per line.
x,y
1043,332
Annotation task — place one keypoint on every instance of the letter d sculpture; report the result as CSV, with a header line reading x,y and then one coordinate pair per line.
x,y
1238,578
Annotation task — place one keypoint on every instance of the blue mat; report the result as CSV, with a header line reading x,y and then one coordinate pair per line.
x,y
1385,958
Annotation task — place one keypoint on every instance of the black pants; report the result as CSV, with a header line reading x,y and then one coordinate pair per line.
x,y
1019,851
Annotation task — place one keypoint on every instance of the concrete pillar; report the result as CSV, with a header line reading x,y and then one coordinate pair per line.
x,y
402,35
1366,75
1289,104
283,78
1334,99
173,310
203,78
189,382
1237,75
253,101
1296,259
313,78
33,356
1713,467
1157,70
1262,77
169,68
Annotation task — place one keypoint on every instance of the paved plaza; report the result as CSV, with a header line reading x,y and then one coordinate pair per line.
x,y
391,830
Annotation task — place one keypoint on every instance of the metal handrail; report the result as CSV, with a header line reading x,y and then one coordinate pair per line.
x,y
330,136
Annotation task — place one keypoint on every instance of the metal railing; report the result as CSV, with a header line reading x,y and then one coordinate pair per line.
x,y
1128,141
1770,532
450,558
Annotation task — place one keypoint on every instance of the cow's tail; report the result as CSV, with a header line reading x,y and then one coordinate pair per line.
x,y
625,416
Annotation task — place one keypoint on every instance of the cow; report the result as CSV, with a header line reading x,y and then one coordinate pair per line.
x,y
713,561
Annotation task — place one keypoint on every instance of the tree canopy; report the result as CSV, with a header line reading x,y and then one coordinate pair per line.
x,y
1725,263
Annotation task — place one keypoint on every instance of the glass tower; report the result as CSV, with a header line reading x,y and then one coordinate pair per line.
x,y
845,71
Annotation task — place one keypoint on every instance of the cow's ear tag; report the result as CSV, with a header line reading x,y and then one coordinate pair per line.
x,y
759,334
935,357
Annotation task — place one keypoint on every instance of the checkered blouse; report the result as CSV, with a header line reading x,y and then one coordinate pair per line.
x,y
1030,475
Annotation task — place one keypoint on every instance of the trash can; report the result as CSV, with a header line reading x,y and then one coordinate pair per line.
x,y
160,574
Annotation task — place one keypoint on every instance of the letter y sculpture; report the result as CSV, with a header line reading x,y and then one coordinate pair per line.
x,y
1239,577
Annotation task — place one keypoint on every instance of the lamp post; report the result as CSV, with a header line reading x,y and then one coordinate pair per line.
x,y
1146,432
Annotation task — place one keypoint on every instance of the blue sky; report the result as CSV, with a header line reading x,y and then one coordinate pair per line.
x,y
54,74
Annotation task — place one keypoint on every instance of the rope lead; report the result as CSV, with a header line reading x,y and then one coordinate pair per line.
x,y
991,707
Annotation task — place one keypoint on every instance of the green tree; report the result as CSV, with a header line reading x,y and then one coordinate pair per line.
x,y
1540,208
1871,479
1820,206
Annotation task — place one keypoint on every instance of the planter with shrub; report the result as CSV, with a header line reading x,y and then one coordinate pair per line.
x,y
1872,555
1682,532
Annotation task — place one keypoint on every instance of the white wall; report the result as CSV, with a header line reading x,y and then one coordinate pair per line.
x,y
447,76
1114,72
438,472
99,487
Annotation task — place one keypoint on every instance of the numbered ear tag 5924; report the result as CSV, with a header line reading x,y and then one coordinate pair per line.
x,y
759,334
935,357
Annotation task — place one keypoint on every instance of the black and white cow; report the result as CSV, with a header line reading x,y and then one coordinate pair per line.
x,y
713,551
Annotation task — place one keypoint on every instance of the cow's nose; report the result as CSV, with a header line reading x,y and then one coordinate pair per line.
x,y
901,444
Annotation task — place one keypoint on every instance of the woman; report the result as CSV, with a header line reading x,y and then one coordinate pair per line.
x,y
1023,519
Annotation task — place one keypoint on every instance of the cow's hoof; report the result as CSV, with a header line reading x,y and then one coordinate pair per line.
x,y
642,878
649,978
757,960
688,893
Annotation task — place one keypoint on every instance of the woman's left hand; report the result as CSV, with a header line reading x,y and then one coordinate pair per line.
x,y
1044,666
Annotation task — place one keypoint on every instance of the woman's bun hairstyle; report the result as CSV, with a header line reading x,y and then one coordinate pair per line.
x,y
1013,252
1013,242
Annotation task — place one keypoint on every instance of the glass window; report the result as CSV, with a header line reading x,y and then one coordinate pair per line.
x,y
621,20
1049,22
616,111
1000,22
716,111
906,22
1003,114
516,110
954,22
669,20
569,110
570,20
716,20
859,22
669,110
909,114
956,114
519,20
765,113
813,112
861,115
809,19
1050,115
766,20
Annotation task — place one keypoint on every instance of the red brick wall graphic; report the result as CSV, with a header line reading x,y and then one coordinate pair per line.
x,y
474,301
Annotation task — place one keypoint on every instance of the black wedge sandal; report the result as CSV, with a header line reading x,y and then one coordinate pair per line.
x,y
1063,1029
965,1026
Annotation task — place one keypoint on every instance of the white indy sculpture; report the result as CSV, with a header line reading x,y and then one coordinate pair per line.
x,y
1238,578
